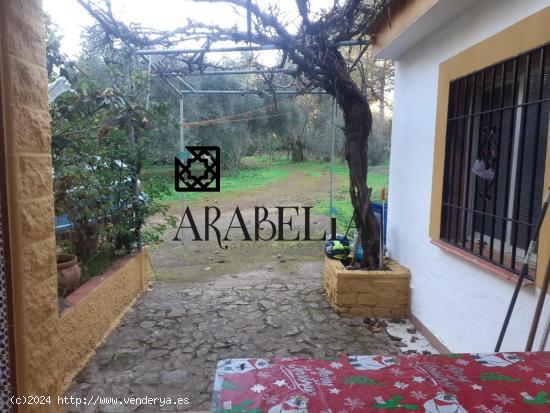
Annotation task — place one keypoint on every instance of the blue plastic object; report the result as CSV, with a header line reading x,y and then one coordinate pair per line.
x,y
62,223
377,209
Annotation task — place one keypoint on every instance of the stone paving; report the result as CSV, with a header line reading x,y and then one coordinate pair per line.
x,y
169,342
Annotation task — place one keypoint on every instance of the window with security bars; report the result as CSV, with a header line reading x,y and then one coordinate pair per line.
x,y
497,132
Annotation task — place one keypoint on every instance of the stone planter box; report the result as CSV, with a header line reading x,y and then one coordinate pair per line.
x,y
368,293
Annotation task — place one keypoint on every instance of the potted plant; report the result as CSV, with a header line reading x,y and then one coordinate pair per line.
x,y
68,271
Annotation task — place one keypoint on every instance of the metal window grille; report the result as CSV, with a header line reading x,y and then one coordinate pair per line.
x,y
495,154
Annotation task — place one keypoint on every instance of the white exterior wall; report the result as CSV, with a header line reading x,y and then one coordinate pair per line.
x,y
461,304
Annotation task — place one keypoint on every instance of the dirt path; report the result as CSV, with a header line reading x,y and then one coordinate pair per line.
x,y
196,261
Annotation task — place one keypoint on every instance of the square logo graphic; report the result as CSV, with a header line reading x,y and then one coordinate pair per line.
x,y
200,172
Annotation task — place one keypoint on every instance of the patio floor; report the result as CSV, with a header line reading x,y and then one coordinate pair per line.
x,y
255,299
168,344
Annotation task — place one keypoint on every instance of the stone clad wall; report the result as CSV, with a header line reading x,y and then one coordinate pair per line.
x,y
30,198
49,348
98,307
368,293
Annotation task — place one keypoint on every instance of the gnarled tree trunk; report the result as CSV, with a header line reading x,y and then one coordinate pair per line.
x,y
358,124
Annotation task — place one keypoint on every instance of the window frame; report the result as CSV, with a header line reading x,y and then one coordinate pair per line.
x,y
497,113
522,37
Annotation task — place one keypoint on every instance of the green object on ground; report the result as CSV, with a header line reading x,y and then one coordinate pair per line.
x,y
394,403
490,376
242,408
362,380
540,399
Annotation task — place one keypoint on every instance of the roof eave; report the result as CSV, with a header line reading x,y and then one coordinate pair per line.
x,y
405,23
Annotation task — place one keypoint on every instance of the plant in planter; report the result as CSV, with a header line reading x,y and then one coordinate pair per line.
x,y
98,140
68,272
68,277
96,178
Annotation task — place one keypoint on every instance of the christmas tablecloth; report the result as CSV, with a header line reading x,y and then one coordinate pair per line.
x,y
454,383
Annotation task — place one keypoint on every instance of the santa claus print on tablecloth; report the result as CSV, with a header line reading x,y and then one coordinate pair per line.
x,y
456,383
371,362
295,404
444,403
496,360
241,366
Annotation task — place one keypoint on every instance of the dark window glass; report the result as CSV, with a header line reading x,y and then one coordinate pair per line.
x,y
495,154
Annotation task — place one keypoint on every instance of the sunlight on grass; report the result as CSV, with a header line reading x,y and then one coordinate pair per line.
x,y
159,181
377,179
259,172
342,202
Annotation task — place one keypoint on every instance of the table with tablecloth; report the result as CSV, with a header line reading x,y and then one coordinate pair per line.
x,y
452,383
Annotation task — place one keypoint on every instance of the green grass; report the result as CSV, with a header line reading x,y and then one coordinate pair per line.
x,y
377,179
253,178
342,202
159,181
260,171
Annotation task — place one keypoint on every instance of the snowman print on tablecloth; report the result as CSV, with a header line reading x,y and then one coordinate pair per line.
x,y
444,403
496,360
371,362
296,404
241,366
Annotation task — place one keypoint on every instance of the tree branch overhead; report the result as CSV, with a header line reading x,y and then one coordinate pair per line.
x,y
312,60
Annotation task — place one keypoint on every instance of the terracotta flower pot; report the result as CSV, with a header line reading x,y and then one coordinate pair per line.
x,y
68,271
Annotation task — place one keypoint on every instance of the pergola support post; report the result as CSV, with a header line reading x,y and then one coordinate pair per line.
x,y
182,150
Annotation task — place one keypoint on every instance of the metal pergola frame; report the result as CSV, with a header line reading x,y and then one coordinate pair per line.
x,y
188,89
250,48
224,72
251,92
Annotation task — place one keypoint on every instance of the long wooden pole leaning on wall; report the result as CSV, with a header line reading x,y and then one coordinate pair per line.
x,y
524,271
538,309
